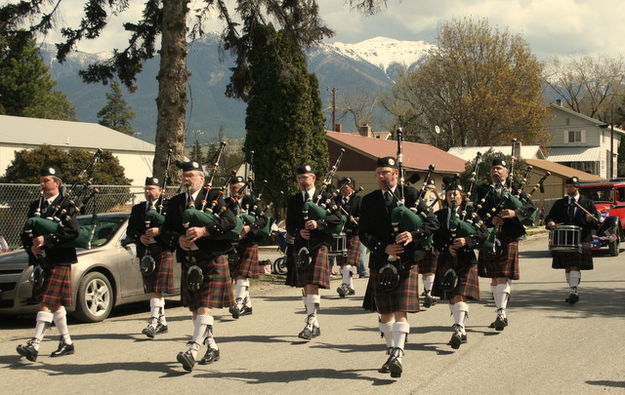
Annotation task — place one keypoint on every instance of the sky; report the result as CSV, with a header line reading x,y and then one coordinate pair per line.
x,y
553,28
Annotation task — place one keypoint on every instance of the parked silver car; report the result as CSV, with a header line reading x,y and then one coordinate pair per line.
x,y
107,275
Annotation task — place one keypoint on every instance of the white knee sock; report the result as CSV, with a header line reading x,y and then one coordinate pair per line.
x,y
400,332
502,292
44,320
575,276
428,282
386,328
157,309
210,339
312,302
60,321
200,325
247,301
460,310
346,271
239,289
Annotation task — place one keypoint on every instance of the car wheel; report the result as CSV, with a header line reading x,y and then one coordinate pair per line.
x,y
279,266
95,298
615,247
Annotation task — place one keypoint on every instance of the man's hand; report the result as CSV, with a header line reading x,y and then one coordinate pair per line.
x,y
394,249
497,220
145,240
311,224
196,232
305,234
153,232
460,242
36,251
245,230
185,243
39,241
507,213
590,218
403,238
453,250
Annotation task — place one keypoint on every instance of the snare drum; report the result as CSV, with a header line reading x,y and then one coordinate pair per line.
x,y
339,245
565,238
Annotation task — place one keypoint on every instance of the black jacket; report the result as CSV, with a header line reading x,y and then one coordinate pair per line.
x,y
209,247
67,232
443,236
559,215
376,231
295,221
137,227
512,228
351,204
248,205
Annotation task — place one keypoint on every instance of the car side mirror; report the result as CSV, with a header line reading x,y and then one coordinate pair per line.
x,y
127,241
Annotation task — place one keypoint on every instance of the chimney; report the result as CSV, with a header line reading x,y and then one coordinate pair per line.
x,y
338,127
559,102
365,130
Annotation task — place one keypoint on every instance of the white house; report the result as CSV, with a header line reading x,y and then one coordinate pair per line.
x,y
18,133
523,151
582,142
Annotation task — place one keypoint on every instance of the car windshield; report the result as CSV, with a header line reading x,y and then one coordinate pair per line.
x,y
598,194
105,228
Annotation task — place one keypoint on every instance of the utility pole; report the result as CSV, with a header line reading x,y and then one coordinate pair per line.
x,y
611,140
333,109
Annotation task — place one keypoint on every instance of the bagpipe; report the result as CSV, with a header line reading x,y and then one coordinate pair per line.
x,y
155,218
77,201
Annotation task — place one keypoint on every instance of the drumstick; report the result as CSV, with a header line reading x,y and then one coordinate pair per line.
x,y
586,211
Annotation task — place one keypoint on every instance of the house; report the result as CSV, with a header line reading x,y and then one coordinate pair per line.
x,y
524,151
361,153
18,133
581,142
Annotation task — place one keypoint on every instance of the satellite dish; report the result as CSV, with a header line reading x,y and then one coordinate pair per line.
x,y
437,129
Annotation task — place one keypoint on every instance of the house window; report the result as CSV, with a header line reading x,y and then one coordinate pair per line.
x,y
575,136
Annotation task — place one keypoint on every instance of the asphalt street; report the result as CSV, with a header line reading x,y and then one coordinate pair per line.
x,y
550,347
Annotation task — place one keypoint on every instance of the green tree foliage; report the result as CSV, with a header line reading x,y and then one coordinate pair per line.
x,y
483,171
196,151
25,167
26,86
284,121
117,114
481,86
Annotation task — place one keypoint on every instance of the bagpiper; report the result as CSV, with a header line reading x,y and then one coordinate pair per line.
x,y
350,202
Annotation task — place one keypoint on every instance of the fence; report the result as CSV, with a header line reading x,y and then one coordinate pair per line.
x,y
16,198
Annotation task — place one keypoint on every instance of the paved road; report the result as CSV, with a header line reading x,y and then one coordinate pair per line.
x,y
549,347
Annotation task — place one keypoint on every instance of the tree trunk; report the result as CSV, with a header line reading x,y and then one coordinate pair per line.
x,y
172,78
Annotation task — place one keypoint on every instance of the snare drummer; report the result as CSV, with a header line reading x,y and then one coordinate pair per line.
x,y
350,201
574,209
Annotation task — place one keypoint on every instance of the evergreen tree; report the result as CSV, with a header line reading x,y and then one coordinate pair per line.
x,y
26,87
116,114
284,120
196,152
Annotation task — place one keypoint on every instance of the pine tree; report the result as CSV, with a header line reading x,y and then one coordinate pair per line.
x,y
116,114
196,152
26,87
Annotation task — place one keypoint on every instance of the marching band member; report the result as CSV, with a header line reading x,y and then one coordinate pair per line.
x,y
350,201
427,266
159,279
312,267
56,262
456,276
501,266
202,255
566,211
246,264
392,303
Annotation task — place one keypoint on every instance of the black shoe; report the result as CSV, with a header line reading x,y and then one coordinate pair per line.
x,y
161,328
246,310
464,338
456,340
385,367
500,323
212,355
309,332
64,349
342,290
572,299
351,291
395,368
235,311
186,359
428,301
28,351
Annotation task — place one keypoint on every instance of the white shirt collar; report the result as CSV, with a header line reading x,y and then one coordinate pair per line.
x,y
51,199
311,193
194,195
576,197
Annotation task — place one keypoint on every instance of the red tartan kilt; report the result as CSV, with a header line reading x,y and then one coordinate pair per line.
x,y
353,252
216,292
318,272
247,266
564,260
57,287
505,266
162,280
429,263
468,281
404,298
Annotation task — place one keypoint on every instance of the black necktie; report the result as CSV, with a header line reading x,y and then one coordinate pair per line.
x,y
44,206
307,196
571,211
388,198
190,200
150,206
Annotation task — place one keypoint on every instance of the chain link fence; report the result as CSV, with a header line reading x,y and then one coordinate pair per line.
x,y
15,199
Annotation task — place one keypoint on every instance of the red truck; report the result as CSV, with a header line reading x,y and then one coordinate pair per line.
x,y
609,199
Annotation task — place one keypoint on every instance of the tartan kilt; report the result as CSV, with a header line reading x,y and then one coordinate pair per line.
x,y
506,265
564,260
248,264
216,291
57,286
353,252
468,281
404,298
162,280
429,263
318,272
